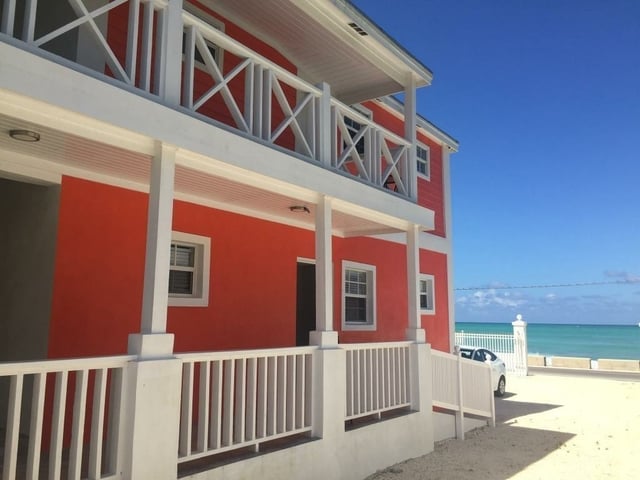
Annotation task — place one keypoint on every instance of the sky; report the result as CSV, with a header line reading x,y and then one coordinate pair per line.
x,y
544,98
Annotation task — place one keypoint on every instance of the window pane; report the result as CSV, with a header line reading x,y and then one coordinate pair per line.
x,y
182,255
355,310
423,301
181,282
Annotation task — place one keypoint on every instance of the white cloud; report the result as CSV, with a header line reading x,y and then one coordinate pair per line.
x,y
622,276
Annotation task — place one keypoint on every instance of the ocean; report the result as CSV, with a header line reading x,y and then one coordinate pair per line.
x,y
591,341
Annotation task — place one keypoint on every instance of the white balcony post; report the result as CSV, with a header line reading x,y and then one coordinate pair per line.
x,y
415,331
323,126
153,341
448,227
169,58
521,352
324,335
410,126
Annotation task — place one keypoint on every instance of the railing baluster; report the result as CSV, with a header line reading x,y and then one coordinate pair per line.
x,y
57,425
29,23
35,427
227,406
186,409
215,431
252,393
13,427
203,406
77,431
97,423
281,394
240,404
261,414
8,17
272,379
299,391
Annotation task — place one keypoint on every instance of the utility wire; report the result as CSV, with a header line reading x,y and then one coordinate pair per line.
x,y
552,285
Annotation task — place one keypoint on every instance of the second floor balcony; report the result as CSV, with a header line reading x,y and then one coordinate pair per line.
x,y
178,53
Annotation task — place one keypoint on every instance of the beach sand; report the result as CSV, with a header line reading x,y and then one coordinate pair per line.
x,y
548,427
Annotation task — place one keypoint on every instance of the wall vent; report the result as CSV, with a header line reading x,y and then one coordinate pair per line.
x,y
358,29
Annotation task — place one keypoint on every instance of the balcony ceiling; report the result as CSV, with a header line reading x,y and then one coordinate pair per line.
x,y
64,153
316,37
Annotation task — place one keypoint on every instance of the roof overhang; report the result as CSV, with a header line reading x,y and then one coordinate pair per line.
x,y
330,41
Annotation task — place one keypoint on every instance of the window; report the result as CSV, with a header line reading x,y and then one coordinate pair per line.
x,y
353,127
189,270
426,293
422,161
358,301
214,50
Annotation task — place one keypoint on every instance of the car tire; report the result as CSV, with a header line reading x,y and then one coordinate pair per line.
x,y
502,387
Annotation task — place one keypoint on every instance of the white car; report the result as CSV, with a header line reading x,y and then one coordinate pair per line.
x,y
498,368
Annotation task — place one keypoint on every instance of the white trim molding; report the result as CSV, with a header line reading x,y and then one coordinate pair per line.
x,y
199,296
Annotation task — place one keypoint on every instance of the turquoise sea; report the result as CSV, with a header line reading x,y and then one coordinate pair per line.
x,y
591,341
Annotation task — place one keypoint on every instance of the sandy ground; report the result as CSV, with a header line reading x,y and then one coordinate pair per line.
x,y
548,427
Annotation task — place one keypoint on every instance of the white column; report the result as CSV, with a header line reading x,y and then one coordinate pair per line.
x,y
324,335
414,331
521,349
153,341
448,226
323,126
410,126
169,59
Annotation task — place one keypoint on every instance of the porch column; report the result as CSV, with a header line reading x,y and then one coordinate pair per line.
x,y
415,331
410,127
324,336
154,379
153,341
169,61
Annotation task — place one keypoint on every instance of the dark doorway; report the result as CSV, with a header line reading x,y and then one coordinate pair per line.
x,y
305,302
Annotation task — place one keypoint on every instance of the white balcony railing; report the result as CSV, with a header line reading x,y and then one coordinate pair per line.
x,y
72,419
232,400
151,47
377,378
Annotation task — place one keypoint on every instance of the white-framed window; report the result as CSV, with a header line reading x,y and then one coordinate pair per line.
x,y
215,51
353,126
423,162
189,265
358,296
426,292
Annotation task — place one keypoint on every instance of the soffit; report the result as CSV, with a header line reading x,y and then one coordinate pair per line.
x,y
62,153
316,37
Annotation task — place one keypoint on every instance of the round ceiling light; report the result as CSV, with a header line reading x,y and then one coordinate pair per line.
x,y
24,135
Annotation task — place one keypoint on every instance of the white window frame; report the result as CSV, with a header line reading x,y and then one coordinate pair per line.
x,y
202,265
426,278
371,296
215,23
426,162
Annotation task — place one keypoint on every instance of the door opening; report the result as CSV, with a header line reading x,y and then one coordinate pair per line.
x,y
305,302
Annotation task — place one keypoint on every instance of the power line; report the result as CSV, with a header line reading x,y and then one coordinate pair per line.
x,y
552,285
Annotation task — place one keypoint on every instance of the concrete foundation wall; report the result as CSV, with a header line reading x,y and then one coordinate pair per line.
x,y
444,425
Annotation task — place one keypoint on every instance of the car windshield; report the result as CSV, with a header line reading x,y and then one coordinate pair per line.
x,y
466,353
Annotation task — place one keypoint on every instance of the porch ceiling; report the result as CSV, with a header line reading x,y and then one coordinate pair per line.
x,y
317,37
62,153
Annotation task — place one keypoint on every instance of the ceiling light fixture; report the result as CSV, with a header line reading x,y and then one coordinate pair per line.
x,y
24,135
299,209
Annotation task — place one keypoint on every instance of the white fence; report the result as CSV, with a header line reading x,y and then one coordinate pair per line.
x,y
377,378
511,348
68,412
462,386
232,400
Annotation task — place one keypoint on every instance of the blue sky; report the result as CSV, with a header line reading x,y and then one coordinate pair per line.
x,y
544,97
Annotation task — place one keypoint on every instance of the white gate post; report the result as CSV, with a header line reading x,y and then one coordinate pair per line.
x,y
520,345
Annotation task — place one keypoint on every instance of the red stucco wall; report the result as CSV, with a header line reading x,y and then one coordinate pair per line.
x,y
99,272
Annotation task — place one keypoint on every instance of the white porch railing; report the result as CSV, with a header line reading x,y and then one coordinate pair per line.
x,y
232,400
251,94
72,418
462,386
377,378
510,348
